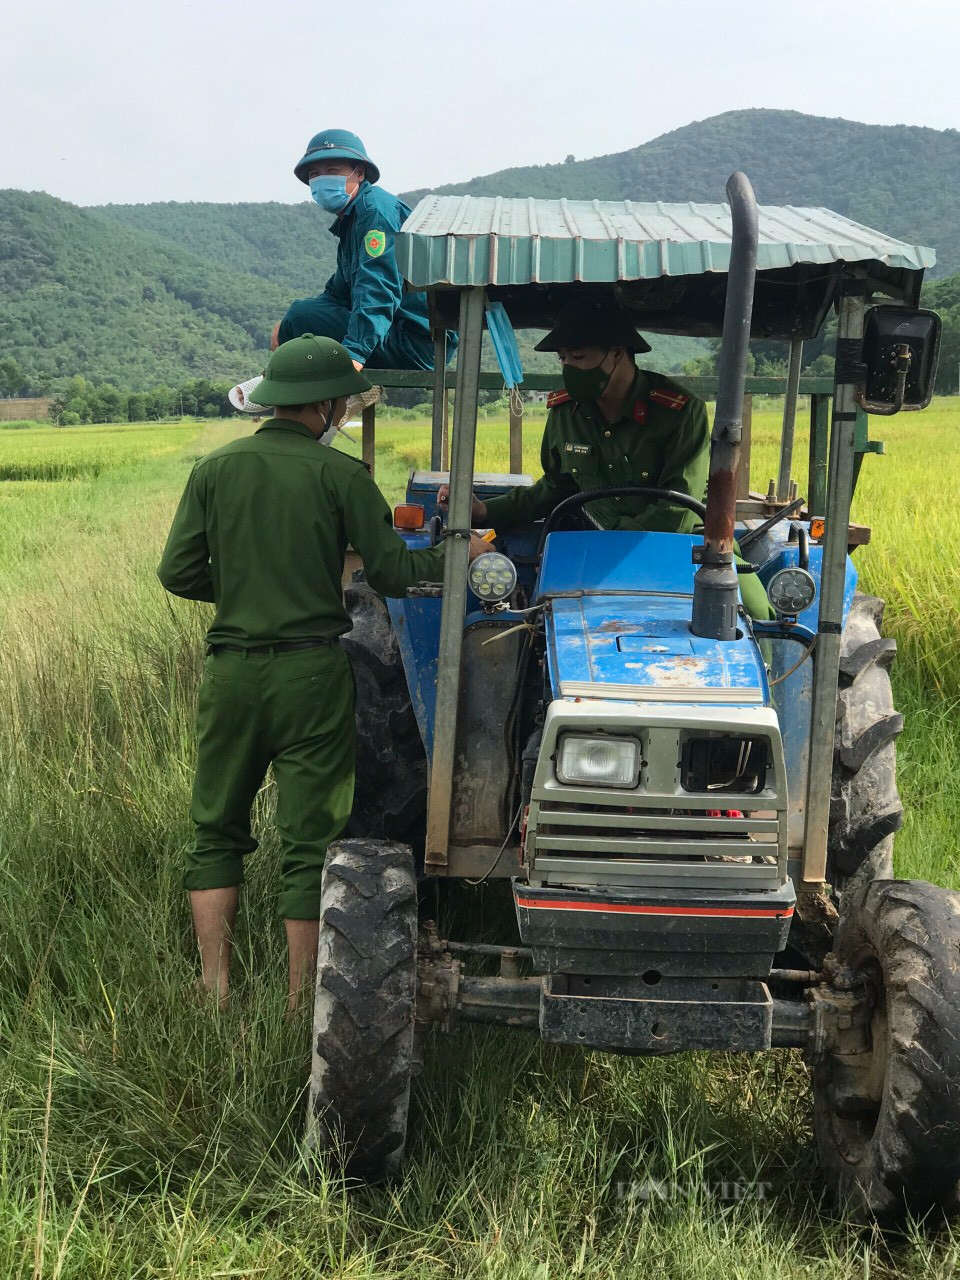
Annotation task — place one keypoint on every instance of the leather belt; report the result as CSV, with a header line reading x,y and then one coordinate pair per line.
x,y
282,646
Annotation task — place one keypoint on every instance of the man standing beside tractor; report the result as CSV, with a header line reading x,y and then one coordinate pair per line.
x,y
363,304
614,424
261,532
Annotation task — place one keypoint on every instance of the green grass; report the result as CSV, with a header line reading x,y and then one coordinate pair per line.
x,y
143,1135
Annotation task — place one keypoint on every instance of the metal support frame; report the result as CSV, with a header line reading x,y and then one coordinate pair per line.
x,y
439,399
789,419
516,435
746,450
445,450
454,580
827,659
817,473
368,443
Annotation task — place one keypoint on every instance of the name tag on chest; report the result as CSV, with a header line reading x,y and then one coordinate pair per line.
x,y
581,449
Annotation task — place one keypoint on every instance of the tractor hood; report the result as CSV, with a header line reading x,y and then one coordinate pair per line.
x,y
614,630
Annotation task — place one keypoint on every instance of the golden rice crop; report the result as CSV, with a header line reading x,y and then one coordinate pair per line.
x,y
68,453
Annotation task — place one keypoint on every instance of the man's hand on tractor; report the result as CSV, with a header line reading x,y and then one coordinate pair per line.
x,y
478,546
478,509
357,365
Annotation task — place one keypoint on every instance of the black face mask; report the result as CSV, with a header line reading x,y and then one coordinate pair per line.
x,y
586,384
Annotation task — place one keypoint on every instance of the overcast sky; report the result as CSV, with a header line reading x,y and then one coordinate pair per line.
x,y
135,100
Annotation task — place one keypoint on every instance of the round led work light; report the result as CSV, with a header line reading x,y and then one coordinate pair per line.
x,y
791,591
492,577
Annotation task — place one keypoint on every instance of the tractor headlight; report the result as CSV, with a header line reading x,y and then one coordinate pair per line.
x,y
598,761
792,590
492,577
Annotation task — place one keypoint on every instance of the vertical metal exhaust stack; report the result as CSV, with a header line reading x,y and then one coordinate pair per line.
x,y
715,594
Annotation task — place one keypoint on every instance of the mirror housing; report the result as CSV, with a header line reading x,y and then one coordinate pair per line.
x,y
899,354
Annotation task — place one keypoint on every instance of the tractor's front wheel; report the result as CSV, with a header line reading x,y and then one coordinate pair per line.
x,y
887,1109
363,1030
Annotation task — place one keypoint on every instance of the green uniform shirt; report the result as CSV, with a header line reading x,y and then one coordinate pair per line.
x,y
262,529
662,441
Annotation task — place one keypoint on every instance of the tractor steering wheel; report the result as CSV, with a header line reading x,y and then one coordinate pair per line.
x,y
623,491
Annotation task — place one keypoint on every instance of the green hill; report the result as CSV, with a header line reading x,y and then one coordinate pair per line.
x,y
141,294
79,294
900,179
287,244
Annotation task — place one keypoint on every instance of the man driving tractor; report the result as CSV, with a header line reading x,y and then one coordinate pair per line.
x,y
614,424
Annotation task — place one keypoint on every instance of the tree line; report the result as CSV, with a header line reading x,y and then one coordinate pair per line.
x,y
82,402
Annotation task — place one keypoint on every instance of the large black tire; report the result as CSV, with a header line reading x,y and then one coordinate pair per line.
x,y
889,1138
865,808
363,1030
390,797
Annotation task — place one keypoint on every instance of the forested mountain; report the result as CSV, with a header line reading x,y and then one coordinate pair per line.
x,y
288,244
142,294
79,294
900,179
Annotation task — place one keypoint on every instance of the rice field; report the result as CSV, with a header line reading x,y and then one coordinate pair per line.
x,y
73,453
144,1135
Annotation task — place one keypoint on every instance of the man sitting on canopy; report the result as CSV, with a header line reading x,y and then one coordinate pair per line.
x,y
364,304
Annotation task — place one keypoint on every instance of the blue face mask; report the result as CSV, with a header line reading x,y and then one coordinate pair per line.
x,y
329,191
504,344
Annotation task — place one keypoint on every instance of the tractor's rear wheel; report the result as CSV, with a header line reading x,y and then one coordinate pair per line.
x,y
390,794
363,1030
865,808
887,1117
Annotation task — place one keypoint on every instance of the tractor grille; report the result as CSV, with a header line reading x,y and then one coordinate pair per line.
x,y
603,843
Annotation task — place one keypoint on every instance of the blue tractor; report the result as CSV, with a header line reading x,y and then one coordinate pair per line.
x,y
692,813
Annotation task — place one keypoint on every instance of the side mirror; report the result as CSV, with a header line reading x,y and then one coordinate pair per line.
x,y
899,354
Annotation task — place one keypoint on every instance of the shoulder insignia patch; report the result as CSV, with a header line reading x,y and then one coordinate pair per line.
x,y
668,399
557,397
374,242
640,411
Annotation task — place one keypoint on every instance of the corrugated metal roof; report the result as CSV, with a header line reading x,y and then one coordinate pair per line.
x,y
481,240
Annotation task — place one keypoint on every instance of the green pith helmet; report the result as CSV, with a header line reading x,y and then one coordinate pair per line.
x,y
308,369
335,144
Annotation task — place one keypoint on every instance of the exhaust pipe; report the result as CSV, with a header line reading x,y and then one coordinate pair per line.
x,y
715,593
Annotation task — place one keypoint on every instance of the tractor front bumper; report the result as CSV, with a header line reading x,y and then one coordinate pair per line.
x,y
669,932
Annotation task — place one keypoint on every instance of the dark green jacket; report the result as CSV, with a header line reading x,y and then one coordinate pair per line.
x,y
262,529
662,440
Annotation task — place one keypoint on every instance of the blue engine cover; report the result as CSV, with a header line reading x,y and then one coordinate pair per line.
x,y
627,634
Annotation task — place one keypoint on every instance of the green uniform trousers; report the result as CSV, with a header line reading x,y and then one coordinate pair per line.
x,y
292,710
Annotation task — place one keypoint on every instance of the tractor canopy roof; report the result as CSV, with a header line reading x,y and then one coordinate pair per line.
x,y
666,262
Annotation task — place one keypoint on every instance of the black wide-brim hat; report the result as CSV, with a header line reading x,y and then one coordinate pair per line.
x,y
593,322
